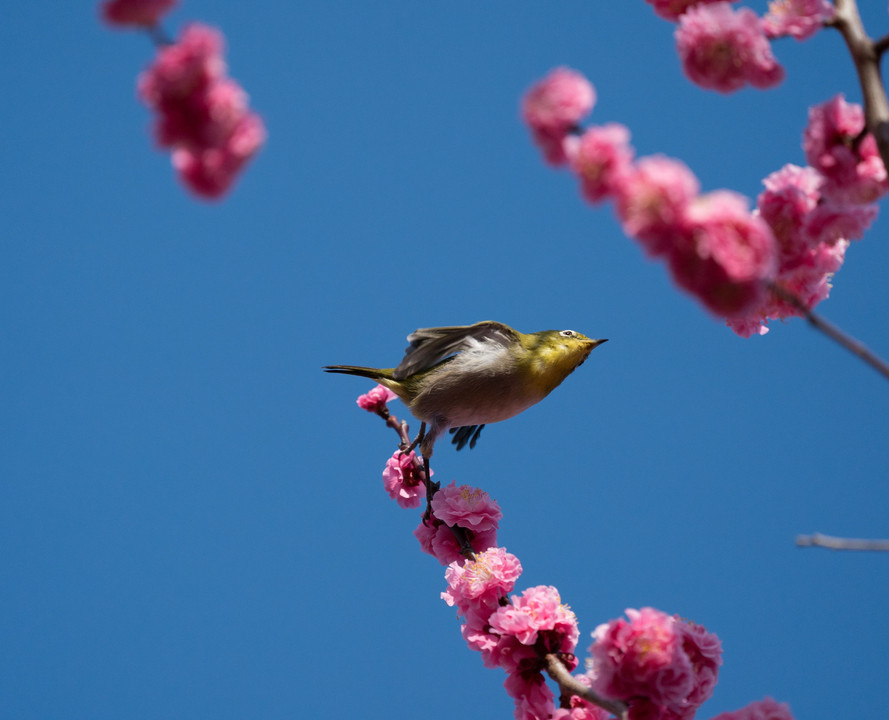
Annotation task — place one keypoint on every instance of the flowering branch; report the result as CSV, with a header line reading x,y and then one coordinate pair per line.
x,y
866,57
838,543
833,332
570,685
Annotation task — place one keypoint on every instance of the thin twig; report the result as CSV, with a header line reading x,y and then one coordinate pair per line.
x,y
570,685
833,332
838,543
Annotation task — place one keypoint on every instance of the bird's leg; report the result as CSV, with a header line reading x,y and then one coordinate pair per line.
x,y
417,440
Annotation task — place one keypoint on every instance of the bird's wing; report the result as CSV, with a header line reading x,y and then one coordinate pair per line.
x,y
429,346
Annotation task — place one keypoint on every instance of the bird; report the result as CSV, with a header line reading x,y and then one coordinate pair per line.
x,y
463,377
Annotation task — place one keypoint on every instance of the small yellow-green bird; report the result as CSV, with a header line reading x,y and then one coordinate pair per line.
x,y
466,376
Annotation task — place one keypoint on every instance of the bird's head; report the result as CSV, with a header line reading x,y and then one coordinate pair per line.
x,y
555,354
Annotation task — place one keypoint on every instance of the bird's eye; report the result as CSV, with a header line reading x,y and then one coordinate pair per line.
x,y
567,333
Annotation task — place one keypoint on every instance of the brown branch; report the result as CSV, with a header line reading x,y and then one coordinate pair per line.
x,y
570,685
866,57
838,543
833,332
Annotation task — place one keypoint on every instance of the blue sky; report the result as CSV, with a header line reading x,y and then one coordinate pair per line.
x,y
192,520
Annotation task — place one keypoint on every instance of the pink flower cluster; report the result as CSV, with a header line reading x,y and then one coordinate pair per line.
x,y
514,635
375,400
715,247
815,211
135,13
469,508
202,115
403,479
766,709
553,108
798,18
724,49
662,667
673,9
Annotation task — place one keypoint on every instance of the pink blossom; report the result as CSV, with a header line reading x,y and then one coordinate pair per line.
x,y
201,114
642,658
808,281
601,160
375,400
560,100
652,199
831,221
533,698
184,68
766,709
403,479
140,13
852,167
705,653
483,581
724,49
538,613
436,539
791,194
673,9
726,256
798,18
210,172
467,507
553,107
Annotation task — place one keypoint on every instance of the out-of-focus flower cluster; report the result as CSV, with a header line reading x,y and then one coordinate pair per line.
x,y
661,666
135,13
716,248
724,49
202,114
766,709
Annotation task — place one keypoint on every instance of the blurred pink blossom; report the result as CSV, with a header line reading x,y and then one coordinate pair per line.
x,y
727,254
724,49
642,657
553,107
766,709
202,115
651,201
673,9
851,165
798,18
601,159
403,479
140,13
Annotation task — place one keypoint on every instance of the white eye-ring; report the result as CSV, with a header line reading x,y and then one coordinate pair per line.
x,y
567,333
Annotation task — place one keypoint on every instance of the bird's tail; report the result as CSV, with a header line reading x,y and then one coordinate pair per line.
x,y
372,373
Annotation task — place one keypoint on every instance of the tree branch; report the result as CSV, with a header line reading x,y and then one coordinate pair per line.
x,y
570,685
866,57
833,332
838,543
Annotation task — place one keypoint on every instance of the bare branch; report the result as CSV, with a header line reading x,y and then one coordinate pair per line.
x,y
838,543
833,332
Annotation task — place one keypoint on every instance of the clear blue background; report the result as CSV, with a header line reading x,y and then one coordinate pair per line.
x,y
192,520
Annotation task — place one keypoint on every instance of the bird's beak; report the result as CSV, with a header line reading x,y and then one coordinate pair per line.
x,y
597,343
